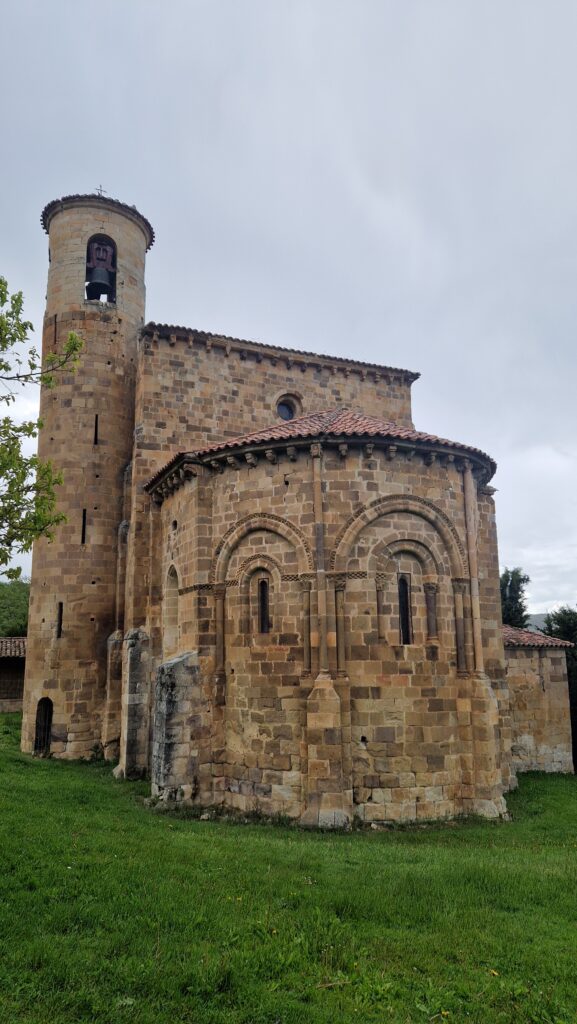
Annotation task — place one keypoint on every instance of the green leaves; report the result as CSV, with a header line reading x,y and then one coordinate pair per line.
x,y
27,485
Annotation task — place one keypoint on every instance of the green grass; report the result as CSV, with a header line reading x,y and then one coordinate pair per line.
x,y
110,913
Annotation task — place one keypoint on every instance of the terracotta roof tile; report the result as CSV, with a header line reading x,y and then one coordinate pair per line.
x,y
12,646
514,637
342,422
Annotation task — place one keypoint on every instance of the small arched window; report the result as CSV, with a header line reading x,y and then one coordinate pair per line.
x,y
264,622
101,269
405,609
43,733
170,614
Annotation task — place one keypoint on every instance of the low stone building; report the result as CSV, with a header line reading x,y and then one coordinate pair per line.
x,y
271,591
538,688
12,663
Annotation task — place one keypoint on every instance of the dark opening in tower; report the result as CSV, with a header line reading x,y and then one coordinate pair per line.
x,y
43,731
101,269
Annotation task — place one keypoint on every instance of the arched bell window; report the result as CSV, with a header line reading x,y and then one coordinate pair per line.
x,y
405,630
101,269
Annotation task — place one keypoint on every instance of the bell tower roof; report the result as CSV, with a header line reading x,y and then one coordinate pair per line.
x,y
100,202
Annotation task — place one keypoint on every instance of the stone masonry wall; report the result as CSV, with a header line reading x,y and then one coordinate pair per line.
x,y
541,726
405,729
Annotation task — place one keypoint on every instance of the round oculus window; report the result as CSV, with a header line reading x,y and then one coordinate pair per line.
x,y
286,408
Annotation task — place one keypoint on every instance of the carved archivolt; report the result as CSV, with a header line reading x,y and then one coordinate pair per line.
x,y
384,553
254,563
260,521
414,505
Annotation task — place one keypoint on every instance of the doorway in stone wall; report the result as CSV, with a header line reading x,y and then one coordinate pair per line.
x,y
43,734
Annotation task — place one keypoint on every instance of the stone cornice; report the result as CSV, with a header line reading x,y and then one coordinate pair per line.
x,y
153,333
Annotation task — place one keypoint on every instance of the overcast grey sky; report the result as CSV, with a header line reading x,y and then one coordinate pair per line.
x,y
391,181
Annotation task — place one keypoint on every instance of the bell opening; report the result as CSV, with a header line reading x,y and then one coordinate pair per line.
x,y
100,277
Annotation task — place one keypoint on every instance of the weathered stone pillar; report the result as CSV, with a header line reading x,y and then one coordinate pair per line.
x,y
177,707
135,716
305,588
219,671
113,709
458,592
431,591
469,488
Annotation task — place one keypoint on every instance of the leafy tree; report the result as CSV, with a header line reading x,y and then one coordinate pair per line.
x,y
27,485
563,624
513,602
14,607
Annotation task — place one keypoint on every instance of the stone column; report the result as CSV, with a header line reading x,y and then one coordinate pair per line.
x,y
471,527
219,672
459,587
431,591
328,802
340,584
305,589
316,452
381,581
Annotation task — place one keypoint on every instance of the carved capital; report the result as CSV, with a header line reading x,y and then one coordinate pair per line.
x,y
219,591
382,578
460,586
316,450
304,586
340,581
431,588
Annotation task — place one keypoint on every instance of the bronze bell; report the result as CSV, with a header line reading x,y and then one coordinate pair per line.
x,y
99,282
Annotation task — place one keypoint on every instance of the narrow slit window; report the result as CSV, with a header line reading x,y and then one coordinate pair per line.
x,y
96,429
59,618
405,610
263,607
83,535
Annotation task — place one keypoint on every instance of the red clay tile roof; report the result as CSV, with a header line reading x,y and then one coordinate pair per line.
x,y
12,646
166,330
51,208
342,422
514,637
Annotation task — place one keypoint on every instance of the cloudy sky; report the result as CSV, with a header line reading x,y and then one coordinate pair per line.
x,y
391,181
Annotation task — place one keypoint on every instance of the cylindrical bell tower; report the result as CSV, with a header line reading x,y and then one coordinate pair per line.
x,y
97,249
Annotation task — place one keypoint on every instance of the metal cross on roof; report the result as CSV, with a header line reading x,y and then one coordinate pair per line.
x,y
100,191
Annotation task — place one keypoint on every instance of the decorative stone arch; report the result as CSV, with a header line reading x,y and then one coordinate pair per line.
x,y
414,505
251,523
244,576
431,566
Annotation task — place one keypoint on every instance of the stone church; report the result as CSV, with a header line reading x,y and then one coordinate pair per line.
x,y
271,591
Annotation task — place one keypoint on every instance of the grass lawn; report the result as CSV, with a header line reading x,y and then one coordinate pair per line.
x,y
110,913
